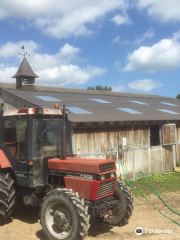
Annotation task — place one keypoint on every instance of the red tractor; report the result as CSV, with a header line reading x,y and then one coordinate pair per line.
x,y
37,168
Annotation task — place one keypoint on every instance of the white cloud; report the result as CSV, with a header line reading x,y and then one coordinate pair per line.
x,y
119,41
120,88
116,40
162,56
11,49
55,70
117,66
161,10
60,19
67,74
146,35
121,19
144,85
6,73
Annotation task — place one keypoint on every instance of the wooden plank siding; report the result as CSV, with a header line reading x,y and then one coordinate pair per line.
x,y
178,132
125,132
148,159
127,161
154,160
169,134
141,136
178,152
94,140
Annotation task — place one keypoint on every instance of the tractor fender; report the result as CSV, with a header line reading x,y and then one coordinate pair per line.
x,y
4,163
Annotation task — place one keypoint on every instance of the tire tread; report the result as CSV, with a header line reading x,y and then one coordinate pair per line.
x,y
80,209
6,196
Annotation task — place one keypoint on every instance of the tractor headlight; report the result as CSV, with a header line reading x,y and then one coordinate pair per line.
x,y
102,177
112,175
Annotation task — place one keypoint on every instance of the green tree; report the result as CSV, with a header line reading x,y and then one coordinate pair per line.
x,y
178,96
100,88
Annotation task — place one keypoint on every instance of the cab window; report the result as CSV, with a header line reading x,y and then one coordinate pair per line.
x,y
15,137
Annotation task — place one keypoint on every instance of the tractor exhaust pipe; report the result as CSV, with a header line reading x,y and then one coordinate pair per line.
x,y
64,135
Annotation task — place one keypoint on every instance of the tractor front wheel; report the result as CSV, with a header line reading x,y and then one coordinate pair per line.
x,y
6,196
123,194
63,215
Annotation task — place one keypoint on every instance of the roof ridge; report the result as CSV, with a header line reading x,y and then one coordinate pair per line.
x,y
50,89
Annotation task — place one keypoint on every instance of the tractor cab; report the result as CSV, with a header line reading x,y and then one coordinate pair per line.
x,y
32,136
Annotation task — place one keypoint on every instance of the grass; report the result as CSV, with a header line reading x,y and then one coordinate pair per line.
x,y
162,183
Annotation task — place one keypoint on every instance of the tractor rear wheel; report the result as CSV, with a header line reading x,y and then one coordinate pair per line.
x,y
123,194
63,215
6,196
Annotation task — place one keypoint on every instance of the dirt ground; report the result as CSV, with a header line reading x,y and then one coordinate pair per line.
x,y
24,223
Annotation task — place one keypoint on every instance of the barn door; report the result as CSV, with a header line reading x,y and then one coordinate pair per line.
x,y
169,134
169,143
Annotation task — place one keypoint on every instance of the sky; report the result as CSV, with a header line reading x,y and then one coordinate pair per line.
x,y
131,45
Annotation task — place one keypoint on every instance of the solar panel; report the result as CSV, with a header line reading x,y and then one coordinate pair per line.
x,y
99,100
78,110
48,98
139,102
167,111
129,110
170,104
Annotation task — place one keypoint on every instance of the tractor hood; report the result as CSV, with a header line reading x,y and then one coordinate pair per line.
x,y
83,165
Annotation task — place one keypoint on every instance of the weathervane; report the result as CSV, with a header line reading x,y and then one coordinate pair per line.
x,y
24,53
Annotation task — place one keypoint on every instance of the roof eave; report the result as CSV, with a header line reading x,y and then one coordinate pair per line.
x,y
24,75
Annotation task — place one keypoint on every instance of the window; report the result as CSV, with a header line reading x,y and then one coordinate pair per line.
x,y
99,100
77,110
170,104
129,110
48,98
167,111
47,137
154,135
15,137
139,102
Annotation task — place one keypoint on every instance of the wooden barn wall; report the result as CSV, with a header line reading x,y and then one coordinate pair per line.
x,y
178,132
178,141
153,160
141,136
136,155
169,134
8,103
91,140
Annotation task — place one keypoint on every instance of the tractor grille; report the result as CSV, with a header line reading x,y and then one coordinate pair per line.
x,y
107,167
105,188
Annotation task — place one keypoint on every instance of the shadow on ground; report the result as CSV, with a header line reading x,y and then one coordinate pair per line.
x,y
25,214
29,215
98,228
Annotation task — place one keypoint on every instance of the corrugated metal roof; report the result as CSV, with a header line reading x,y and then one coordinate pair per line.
x,y
94,93
103,112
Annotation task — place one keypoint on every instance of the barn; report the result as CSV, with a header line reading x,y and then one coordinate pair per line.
x,y
142,131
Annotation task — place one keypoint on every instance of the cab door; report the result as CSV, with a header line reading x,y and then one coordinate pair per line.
x,y
14,144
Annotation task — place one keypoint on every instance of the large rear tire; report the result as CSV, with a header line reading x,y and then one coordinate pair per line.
x,y
6,196
123,194
63,215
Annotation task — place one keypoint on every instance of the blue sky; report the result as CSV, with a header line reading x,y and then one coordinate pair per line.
x,y
131,45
